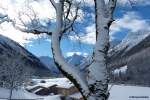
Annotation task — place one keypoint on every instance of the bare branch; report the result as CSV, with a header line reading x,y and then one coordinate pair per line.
x,y
70,25
132,3
111,7
71,73
4,18
32,26
53,3
69,9
34,31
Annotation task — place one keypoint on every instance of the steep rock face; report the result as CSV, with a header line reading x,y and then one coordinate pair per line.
x,y
75,59
11,49
131,44
133,51
139,67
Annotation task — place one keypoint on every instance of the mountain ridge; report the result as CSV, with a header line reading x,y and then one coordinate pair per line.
x,y
10,48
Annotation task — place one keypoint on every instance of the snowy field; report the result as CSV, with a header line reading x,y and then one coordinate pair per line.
x,y
23,94
118,92
121,92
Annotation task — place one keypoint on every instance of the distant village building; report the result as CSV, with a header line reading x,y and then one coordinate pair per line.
x,y
66,91
58,86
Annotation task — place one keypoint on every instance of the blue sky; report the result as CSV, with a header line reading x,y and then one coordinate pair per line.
x,y
128,19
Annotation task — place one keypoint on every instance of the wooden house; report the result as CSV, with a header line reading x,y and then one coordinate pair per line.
x,y
65,91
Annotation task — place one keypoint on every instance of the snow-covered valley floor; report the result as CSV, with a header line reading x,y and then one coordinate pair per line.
x,y
122,92
23,94
117,92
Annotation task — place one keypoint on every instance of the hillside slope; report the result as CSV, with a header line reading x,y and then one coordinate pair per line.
x,y
133,51
11,49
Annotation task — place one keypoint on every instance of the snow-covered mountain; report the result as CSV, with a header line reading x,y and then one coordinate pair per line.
x,y
75,59
114,42
131,40
130,45
49,62
133,51
11,50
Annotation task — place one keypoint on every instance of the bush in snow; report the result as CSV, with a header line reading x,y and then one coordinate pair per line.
x,y
14,72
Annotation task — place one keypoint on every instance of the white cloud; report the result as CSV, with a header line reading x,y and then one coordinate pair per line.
x,y
88,38
22,38
86,2
68,54
134,2
131,21
120,2
48,40
44,9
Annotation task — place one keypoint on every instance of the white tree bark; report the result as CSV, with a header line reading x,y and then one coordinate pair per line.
x,y
95,85
70,72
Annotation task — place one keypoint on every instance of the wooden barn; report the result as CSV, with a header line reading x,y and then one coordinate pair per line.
x,y
40,90
65,91
59,86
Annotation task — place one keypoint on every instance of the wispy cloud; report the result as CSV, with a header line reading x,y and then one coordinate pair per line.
x,y
134,2
120,2
12,8
22,38
89,37
131,21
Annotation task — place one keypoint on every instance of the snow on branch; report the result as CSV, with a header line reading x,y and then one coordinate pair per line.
x,y
34,31
70,71
4,18
71,22
111,6
30,23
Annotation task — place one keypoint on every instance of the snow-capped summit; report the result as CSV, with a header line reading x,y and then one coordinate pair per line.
x,y
133,51
75,59
49,63
131,40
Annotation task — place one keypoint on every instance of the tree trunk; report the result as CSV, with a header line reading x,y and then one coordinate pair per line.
x,y
95,85
67,70
11,91
97,71
10,96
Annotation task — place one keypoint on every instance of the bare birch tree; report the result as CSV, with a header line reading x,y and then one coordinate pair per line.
x,y
94,84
